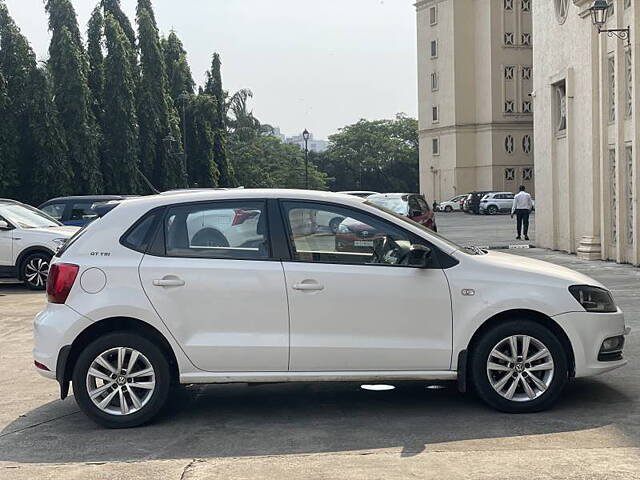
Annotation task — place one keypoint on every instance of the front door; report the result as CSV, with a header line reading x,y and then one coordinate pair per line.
x,y
6,249
217,290
352,310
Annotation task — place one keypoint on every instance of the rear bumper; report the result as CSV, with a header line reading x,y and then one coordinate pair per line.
x,y
586,332
53,328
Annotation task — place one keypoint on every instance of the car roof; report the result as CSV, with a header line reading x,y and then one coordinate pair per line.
x,y
89,198
8,200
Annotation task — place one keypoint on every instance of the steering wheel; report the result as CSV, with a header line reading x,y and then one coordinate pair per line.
x,y
387,251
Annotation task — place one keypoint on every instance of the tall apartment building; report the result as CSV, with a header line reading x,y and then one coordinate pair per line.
x,y
475,107
587,128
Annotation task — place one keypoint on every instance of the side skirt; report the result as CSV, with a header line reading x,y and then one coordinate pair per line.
x,y
283,377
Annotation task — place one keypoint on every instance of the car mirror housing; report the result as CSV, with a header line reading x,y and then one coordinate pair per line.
x,y
5,226
419,256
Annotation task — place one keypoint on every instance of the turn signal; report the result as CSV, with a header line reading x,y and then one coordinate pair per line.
x,y
60,281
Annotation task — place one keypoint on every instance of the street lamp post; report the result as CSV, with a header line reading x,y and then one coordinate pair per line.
x,y
600,10
305,135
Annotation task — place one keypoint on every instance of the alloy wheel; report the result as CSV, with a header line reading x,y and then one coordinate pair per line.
x,y
36,271
120,381
520,368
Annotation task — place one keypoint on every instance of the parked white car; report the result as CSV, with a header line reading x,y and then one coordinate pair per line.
x,y
28,240
135,306
498,202
452,205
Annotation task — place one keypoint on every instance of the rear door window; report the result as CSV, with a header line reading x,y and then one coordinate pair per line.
x,y
235,229
82,212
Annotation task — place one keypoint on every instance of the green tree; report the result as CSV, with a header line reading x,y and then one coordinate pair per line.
x,y
214,88
121,125
48,174
95,33
379,155
69,68
178,71
201,166
156,114
9,143
264,161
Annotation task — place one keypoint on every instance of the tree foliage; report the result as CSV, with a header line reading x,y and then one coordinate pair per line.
x,y
379,155
202,168
178,71
121,125
95,32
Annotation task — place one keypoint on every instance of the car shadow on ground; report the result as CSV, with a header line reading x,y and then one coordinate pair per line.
x,y
240,420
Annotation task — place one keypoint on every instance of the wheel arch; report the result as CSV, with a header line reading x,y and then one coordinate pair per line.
x,y
532,315
29,251
69,357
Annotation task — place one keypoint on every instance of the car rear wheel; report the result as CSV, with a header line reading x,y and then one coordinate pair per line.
x,y
519,367
492,209
121,380
35,270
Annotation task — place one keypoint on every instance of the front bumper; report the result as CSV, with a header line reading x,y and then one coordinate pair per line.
x,y
586,332
53,328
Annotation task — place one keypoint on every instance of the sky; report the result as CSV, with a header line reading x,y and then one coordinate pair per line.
x,y
315,64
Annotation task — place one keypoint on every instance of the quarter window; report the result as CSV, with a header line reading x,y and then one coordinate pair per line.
x,y
328,234
217,230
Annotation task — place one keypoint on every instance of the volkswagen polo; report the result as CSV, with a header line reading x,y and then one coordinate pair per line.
x,y
139,303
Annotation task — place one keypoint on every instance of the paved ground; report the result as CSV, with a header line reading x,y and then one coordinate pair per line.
x,y
485,230
330,430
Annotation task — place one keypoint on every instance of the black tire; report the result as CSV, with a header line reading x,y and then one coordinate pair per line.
x,y
209,237
34,270
158,397
335,223
492,209
479,356
448,209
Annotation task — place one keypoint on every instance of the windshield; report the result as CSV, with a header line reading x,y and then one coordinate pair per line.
x,y
27,217
396,204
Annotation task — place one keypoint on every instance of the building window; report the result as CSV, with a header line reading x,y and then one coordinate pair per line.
x,y
509,38
526,5
526,144
509,173
435,82
508,4
627,3
509,106
526,106
526,39
508,144
628,154
562,9
434,48
508,72
611,74
628,83
561,107
433,15
527,173
613,185
435,114
526,73
435,146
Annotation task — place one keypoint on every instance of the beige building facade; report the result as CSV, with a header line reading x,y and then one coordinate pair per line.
x,y
475,80
587,130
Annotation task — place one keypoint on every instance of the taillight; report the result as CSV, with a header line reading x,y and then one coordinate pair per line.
x,y
60,281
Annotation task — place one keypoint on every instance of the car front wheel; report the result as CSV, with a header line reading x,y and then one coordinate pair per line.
x,y
519,367
121,380
448,209
35,270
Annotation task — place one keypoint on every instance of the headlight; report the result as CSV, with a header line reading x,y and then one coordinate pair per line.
x,y
593,299
59,242
342,228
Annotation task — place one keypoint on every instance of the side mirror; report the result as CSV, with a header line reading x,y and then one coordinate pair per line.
x,y
5,226
419,256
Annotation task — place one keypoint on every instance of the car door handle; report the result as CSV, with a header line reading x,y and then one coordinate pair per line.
x,y
168,282
308,286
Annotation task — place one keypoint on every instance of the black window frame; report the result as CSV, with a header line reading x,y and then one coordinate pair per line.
x,y
440,261
151,234
158,246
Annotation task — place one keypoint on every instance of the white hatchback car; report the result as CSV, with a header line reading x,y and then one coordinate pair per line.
x,y
136,306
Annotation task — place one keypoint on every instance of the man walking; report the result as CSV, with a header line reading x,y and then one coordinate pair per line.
x,y
522,206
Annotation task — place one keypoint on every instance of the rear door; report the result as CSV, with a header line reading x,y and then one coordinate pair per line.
x,y
217,288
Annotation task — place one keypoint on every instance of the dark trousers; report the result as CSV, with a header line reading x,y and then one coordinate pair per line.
x,y
522,215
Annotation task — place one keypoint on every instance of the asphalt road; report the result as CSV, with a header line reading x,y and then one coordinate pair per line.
x,y
318,431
